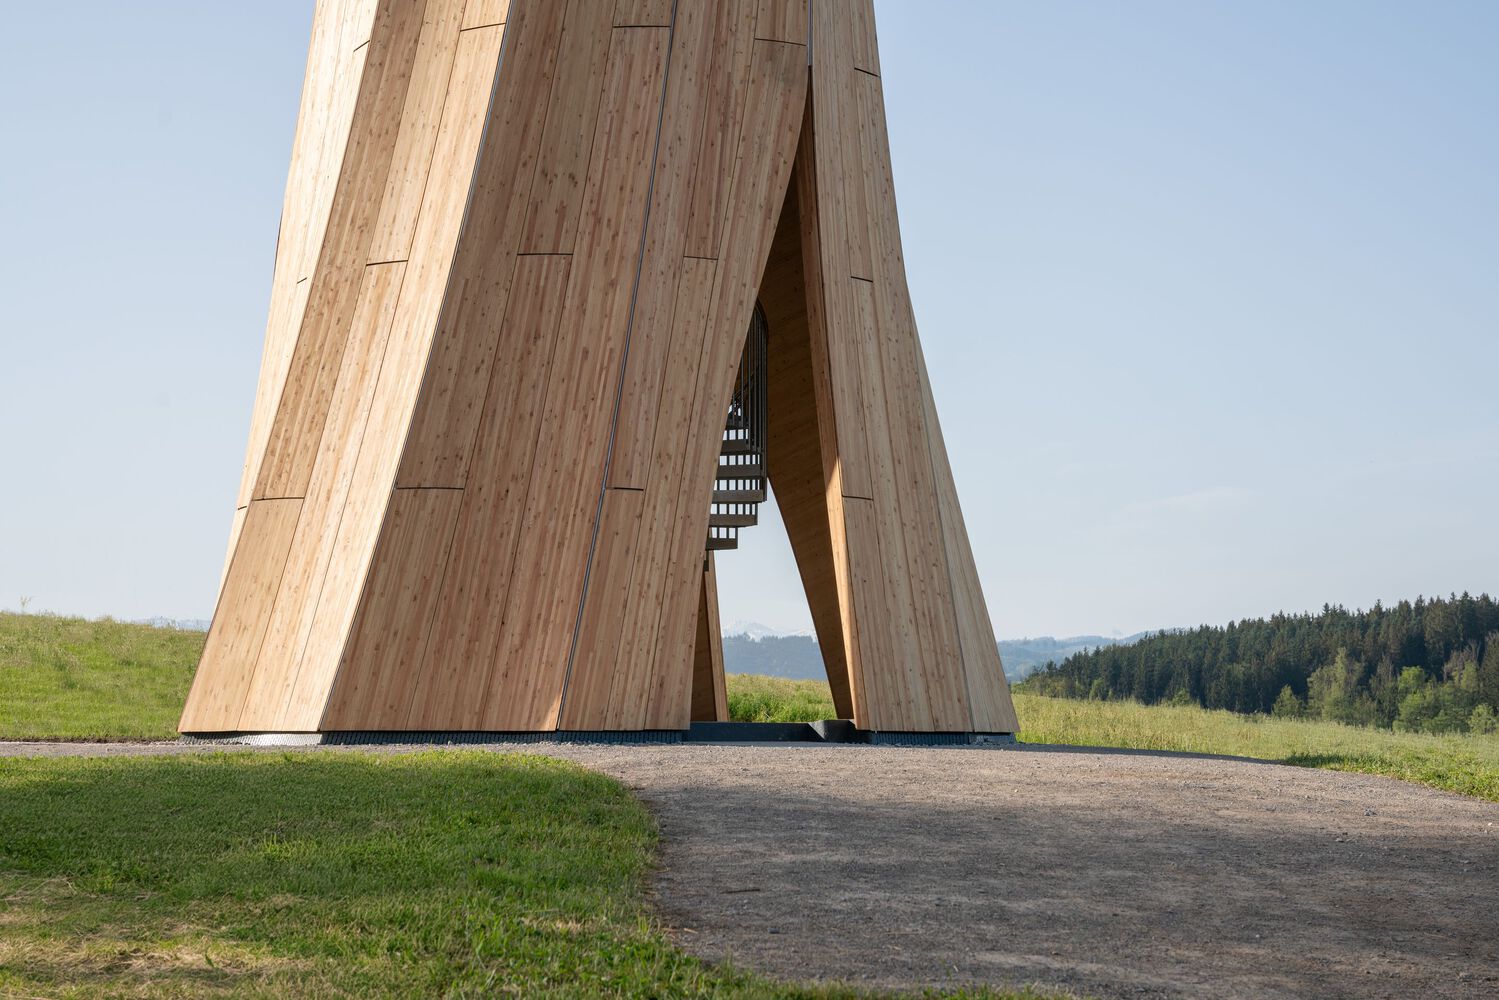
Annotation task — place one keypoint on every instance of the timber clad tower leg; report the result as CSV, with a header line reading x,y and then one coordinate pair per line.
x,y
561,286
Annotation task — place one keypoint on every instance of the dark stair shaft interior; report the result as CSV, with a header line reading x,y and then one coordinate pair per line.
x,y
739,487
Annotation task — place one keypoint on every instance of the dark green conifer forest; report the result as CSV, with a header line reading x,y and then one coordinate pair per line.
x,y
1428,665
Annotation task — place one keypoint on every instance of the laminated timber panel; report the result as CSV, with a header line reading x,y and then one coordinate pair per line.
x,y
392,626
485,13
988,691
556,196
698,87
710,694
768,140
730,40
782,21
605,690
335,282
427,94
327,496
832,138
440,441
562,503
213,704
335,65
801,450
644,13
475,587
605,609
425,279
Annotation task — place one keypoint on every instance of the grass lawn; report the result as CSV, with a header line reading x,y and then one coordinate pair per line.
x,y
68,678
334,875
1461,763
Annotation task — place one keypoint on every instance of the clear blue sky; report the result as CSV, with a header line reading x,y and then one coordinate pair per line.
x,y
1209,293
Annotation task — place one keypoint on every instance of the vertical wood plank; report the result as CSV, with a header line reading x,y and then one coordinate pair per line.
x,y
426,96
626,703
684,117
731,41
335,69
595,657
827,230
423,290
525,690
644,13
865,44
328,492
710,696
441,437
392,627
239,623
771,125
303,408
556,196
475,589
782,21
485,13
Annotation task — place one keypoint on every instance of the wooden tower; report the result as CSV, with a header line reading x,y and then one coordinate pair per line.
x,y
559,284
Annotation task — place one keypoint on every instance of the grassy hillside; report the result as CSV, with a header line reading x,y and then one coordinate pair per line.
x,y
68,678
1461,763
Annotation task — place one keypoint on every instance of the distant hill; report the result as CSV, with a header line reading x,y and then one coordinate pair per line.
x,y
1431,664
759,650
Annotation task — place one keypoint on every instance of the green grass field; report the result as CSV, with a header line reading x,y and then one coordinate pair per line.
x,y
68,678
459,874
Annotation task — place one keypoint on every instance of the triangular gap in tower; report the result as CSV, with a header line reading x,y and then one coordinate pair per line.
x,y
799,455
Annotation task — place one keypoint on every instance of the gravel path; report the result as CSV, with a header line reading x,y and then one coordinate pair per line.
x,y
1105,874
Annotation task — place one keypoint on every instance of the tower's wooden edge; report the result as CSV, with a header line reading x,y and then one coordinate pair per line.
x,y
521,246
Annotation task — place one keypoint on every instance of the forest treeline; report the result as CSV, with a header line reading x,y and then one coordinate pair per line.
x,y
1431,665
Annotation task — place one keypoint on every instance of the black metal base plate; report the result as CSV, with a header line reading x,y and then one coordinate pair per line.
x,y
827,731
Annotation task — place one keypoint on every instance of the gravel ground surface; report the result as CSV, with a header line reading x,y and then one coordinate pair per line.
x,y
1102,874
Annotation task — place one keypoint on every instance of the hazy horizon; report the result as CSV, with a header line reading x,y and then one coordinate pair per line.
x,y
1207,294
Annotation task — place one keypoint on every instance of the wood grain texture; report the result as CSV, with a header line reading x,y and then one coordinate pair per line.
x,y
801,450
578,84
525,690
521,246
423,289
303,408
335,70
595,657
239,622
730,40
393,625
644,13
485,13
782,21
427,94
768,139
441,438
693,108
312,549
469,613
710,693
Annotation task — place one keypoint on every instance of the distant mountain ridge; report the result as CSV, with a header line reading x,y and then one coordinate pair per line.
x,y
751,648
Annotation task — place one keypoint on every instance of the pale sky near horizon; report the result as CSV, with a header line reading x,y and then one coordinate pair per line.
x,y
1209,293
